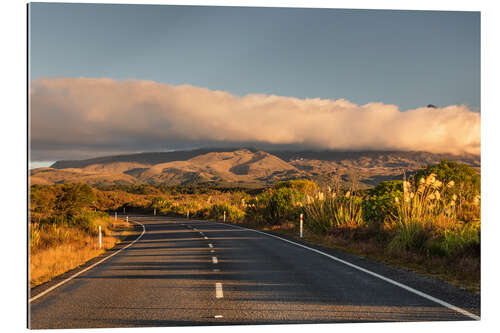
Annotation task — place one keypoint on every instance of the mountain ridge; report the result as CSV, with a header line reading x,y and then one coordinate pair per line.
x,y
240,166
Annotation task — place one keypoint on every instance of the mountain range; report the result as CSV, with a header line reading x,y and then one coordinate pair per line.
x,y
241,167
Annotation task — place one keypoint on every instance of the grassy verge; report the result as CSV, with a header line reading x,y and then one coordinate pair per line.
x,y
60,249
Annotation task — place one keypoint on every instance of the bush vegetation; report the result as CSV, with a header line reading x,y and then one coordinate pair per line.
x,y
63,229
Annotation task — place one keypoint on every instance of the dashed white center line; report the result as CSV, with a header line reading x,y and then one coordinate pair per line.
x,y
205,237
214,260
215,270
210,245
212,251
218,290
218,316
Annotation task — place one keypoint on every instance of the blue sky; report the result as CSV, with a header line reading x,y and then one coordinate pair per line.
x,y
406,58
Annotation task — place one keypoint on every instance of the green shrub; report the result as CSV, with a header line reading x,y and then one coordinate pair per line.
x,y
380,203
256,209
282,205
74,198
303,186
456,242
466,179
233,213
90,221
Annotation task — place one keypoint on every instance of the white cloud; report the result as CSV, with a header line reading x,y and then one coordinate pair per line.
x,y
93,116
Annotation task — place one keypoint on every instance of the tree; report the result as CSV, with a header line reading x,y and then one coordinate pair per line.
x,y
74,198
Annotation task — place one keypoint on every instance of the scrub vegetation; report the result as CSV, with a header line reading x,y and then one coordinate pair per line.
x,y
428,222
63,230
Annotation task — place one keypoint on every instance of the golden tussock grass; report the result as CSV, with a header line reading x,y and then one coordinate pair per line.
x,y
61,249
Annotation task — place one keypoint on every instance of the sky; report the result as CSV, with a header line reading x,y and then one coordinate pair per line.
x,y
278,64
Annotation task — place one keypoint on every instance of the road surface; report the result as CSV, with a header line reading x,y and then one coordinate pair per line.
x,y
188,272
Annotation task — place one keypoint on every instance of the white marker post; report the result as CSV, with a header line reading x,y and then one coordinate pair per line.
x,y
154,212
224,216
127,221
188,214
123,210
301,225
100,237
116,217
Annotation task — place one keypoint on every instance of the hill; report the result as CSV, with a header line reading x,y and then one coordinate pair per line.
x,y
241,167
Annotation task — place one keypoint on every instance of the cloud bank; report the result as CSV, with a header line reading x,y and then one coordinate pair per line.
x,y
82,117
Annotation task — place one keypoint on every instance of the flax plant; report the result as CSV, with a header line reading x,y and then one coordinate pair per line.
x,y
427,211
428,200
325,211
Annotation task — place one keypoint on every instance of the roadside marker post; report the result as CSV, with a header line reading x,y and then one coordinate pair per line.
x,y
224,216
301,225
188,214
154,212
100,237
127,221
116,216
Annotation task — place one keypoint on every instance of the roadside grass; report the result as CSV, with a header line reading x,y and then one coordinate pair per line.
x,y
56,249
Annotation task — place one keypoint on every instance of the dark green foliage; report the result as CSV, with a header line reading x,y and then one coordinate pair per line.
x,y
279,203
467,241
68,204
412,236
257,208
158,189
282,205
380,201
42,201
74,198
467,179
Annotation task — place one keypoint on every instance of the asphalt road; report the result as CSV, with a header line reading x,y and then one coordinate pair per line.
x,y
188,272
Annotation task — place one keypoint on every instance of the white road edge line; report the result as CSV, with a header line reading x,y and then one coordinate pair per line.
x,y
90,267
218,290
401,285
214,260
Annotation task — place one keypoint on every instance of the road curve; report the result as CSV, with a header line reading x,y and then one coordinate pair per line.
x,y
187,272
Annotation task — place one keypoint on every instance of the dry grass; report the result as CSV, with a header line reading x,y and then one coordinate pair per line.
x,y
64,248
